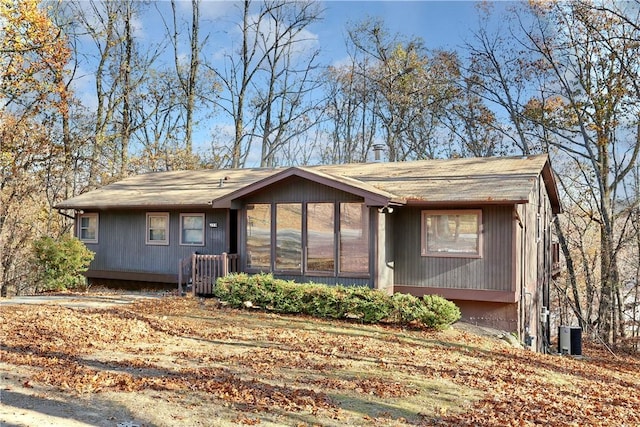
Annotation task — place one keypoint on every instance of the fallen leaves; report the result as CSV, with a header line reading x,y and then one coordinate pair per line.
x,y
260,365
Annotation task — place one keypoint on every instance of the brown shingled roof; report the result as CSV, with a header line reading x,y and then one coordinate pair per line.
x,y
468,180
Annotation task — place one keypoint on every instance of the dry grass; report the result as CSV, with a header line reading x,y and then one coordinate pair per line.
x,y
187,362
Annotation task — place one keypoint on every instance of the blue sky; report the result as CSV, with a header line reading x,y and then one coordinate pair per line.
x,y
441,24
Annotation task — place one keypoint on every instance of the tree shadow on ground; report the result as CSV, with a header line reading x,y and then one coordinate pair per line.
x,y
21,408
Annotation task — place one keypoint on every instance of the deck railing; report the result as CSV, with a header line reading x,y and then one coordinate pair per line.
x,y
202,271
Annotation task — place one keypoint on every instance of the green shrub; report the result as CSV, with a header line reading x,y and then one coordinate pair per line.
x,y
334,302
61,262
406,309
368,305
440,312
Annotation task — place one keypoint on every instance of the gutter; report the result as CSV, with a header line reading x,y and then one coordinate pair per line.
x,y
66,215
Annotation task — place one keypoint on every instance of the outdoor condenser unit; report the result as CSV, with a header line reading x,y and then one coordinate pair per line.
x,y
570,340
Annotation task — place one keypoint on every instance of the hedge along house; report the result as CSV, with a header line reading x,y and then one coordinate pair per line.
x,y
476,231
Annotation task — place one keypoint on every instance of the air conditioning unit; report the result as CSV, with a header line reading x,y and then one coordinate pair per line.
x,y
570,340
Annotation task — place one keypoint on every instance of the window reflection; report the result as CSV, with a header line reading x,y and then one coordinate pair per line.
x,y
259,236
320,237
354,238
288,236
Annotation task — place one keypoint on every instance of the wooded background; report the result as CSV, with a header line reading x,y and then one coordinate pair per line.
x,y
561,78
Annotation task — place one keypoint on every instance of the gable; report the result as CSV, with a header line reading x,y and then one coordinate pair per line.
x,y
370,195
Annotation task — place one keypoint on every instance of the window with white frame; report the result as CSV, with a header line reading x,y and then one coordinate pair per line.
x,y
88,227
157,228
452,233
192,229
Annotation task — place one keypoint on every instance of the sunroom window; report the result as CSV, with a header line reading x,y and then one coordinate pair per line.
x,y
302,238
354,238
321,237
288,237
259,236
452,233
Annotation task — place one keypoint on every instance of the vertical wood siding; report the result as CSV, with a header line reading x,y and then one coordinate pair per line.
x,y
494,271
121,245
296,189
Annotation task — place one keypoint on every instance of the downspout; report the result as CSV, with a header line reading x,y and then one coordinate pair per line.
x,y
523,273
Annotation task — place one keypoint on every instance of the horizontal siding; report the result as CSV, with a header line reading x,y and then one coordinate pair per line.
x,y
494,271
122,247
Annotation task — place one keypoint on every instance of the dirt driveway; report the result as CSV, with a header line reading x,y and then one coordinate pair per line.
x,y
75,300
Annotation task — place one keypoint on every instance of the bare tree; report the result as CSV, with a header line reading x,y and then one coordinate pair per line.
x,y
588,109
412,86
349,108
266,80
121,71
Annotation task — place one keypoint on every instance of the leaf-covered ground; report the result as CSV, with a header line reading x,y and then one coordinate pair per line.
x,y
186,362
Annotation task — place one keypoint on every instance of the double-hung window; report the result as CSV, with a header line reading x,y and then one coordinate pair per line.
x,y
452,233
192,229
88,227
157,228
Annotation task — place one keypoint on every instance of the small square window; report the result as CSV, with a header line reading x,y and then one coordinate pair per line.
x,y
88,227
157,228
452,233
192,229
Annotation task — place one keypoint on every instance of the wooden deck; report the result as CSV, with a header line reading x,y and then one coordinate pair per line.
x,y
201,271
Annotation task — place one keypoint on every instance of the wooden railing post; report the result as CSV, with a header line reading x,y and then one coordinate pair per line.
x,y
193,274
225,264
180,277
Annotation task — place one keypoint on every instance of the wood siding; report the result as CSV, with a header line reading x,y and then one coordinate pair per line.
x,y
535,261
295,189
121,246
494,271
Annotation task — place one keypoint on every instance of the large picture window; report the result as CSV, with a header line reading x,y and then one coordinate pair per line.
x,y
289,237
88,227
321,237
192,229
157,228
259,236
354,238
302,238
454,233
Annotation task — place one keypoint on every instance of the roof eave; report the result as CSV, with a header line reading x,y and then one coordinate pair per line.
x,y
104,207
466,203
552,188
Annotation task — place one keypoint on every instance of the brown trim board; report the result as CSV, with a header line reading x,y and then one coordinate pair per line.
x,y
459,294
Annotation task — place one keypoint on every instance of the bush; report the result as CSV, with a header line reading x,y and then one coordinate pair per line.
x,y
368,305
61,262
334,302
440,312
406,309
